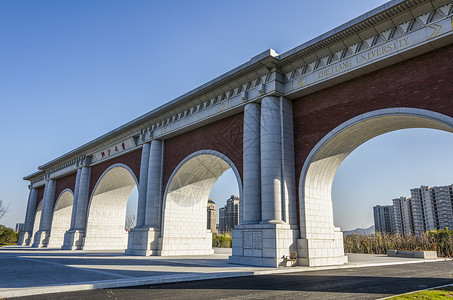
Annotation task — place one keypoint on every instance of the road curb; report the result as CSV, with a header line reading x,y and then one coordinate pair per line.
x,y
103,284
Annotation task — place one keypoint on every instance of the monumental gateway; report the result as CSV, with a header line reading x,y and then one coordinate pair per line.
x,y
282,122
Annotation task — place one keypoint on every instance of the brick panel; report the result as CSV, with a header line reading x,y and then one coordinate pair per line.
x,y
131,159
40,196
224,136
67,182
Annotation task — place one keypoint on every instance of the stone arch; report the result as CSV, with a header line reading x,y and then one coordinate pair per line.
x,y
37,218
185,199
61,218
318,171
107,209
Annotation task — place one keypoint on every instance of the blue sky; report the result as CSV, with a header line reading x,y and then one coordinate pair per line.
x,y
73,70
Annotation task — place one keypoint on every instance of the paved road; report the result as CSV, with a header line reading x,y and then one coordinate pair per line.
x,y
356,283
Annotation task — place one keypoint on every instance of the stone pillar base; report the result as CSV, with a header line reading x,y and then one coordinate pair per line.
x,y
41,239
73,240
24,239
264,245
175,246
321,252
143,241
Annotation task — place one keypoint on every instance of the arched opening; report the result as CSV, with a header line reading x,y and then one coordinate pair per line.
x,y
61,220
224,195
106,220
315,185
37,219
184,218
387,167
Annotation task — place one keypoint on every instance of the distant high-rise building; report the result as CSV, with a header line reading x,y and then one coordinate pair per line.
x,y
428,208
402,215
229,215
212,216
384,219
19,227
437,205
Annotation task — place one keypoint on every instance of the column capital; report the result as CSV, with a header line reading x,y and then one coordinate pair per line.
x,y
86,161
274,83
145,136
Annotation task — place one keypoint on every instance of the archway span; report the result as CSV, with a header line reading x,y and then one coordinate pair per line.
x,y
315,184
105,228
37,219
61,218
185,203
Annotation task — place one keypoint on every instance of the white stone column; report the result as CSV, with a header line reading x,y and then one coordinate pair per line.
x,y
83,198
289,206
74,237
271,161
275,237
154,191
251,202
144,240
25,236
143,185
41,238
76,193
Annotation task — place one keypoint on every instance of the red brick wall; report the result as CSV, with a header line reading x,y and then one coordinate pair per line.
x,y
424,81
224,136
131,159
40,196
67,182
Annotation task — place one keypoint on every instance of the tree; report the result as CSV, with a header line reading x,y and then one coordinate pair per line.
x,y
8,236
3,209
130,222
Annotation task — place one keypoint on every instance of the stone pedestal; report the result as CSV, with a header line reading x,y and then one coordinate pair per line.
x,y
195,245
321,252
264,245
143,241
73,240
41,239
24,239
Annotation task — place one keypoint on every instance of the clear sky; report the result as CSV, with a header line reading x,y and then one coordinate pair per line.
x,y
72,70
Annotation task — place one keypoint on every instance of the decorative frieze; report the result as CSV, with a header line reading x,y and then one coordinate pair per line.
x,y
384,44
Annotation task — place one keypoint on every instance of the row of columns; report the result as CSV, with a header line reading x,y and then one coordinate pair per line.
x,y
73,239
148,210
269,182
269,231
142,239
74,236
150,186
41,237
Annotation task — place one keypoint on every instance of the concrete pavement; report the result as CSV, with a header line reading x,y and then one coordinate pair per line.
x,y
354,283
31,271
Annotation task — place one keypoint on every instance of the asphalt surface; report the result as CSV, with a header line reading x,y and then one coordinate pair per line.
x,y
355,283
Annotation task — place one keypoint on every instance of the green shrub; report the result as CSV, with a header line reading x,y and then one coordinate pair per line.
x,y
221,240
435,240
8,236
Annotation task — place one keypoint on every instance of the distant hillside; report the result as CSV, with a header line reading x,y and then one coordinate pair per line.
x,y
363,231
